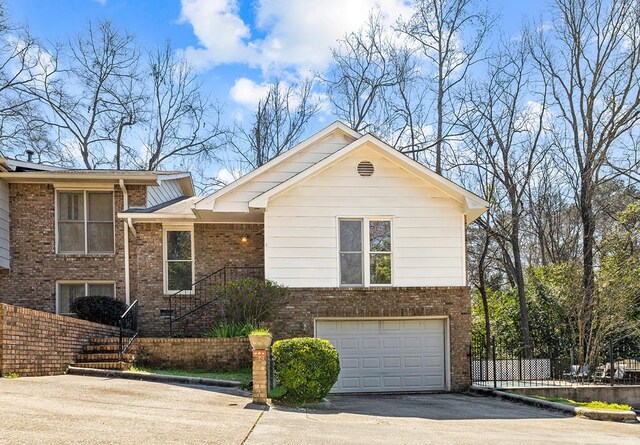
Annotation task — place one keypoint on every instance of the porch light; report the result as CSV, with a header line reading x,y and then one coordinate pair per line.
x,y
244,239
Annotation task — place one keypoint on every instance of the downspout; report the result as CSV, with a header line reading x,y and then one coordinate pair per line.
x,y
126,225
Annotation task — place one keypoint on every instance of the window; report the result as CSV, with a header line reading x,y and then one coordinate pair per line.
x,y
356,256
85,222
69,291
351,254
380,252
178,254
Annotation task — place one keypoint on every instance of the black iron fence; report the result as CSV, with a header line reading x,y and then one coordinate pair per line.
x,y
498,363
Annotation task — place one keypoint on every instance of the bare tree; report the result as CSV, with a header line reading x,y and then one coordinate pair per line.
x,y
182,122
77,86
276,125
591,60
450,34
405,103
481,245
505,120
553,219
126,105
19,60
363,72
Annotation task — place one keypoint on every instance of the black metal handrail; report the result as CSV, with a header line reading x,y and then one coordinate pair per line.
x,y
204,291
128,328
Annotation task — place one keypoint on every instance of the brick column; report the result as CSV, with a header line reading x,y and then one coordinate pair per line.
x,y
260,344
260,383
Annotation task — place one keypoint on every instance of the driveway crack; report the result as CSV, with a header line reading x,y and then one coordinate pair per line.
x,y
252,427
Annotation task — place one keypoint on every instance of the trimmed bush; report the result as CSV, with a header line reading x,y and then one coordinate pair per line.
x,y
105,310
306,368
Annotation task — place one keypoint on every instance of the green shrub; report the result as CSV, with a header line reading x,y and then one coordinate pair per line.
x,y
251,299
277,393
259,331
228,329
105,310
306,368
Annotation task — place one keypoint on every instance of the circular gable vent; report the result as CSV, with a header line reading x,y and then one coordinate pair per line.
x,y
365,168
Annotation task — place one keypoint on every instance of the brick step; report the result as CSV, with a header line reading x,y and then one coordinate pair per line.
x,y
107,340
101,348
103,357
122,366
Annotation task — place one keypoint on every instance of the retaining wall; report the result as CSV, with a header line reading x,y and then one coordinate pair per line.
x,y
626,394
35,343
193,353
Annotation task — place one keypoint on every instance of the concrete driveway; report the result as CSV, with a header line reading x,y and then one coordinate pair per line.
x,y
74,409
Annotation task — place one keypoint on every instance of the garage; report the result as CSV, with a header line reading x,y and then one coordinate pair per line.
x,y
390,355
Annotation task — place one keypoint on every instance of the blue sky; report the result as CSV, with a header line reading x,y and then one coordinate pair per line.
x,y
237,46
154,21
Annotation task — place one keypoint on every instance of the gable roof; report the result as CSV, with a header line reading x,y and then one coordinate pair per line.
x,y
208,202
202,208
473,205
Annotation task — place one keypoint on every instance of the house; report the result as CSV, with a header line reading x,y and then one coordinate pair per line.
x,y
370,243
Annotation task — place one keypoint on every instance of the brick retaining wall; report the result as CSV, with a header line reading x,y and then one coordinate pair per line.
x,y
34,343
193,353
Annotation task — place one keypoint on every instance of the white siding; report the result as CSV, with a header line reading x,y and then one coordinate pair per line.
x,y
167,190
4,225
427,228
237,200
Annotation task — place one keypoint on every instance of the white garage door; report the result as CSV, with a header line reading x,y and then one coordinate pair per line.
x,y
387,355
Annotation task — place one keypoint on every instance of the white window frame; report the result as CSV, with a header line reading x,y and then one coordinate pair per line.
x,y
165,261
86,222
366,250
86,284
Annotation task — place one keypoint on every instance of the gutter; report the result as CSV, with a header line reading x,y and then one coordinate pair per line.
x,y
126,225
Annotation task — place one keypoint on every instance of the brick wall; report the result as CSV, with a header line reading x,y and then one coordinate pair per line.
x,y
35,343
193,353
305,304
35,267
216,246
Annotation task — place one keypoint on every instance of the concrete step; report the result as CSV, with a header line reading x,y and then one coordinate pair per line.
x,y
101,348
104,357
122,366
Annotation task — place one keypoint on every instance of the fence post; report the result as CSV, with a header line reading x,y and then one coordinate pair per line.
x,y
495,369
611,358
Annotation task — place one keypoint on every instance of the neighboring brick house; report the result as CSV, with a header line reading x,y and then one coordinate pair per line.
x,y
371,244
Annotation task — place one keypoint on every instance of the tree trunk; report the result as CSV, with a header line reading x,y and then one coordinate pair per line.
x,y
439,106
482,288
588,278
522,298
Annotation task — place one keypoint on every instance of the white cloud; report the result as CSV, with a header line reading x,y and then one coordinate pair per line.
x,y
221,32
225,176
297,34
247,92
